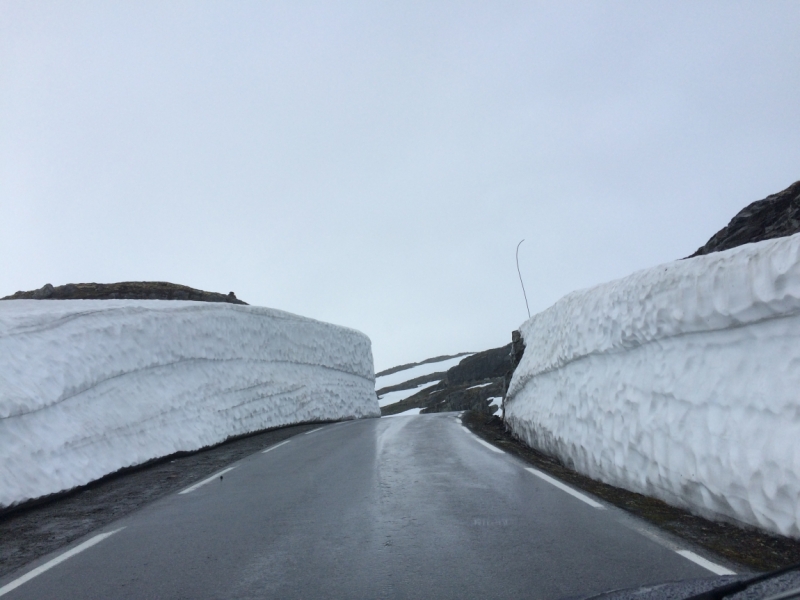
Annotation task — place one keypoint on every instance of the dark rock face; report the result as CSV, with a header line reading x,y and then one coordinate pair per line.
x,y
467,386
775,216
126,290
514,358
467,396
474,395
411,383
483,365
43,293
416,364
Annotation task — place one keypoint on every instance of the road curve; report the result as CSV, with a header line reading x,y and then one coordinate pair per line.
x,y
405,507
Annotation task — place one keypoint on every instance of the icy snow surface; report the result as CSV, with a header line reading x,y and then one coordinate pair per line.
x,y
398,395
90,386
681,382
496,401
475,387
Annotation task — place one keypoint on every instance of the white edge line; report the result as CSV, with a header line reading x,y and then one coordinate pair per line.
x,y
58,559
566,488
706,564
480,441
275,446
489,446
313,430
205,481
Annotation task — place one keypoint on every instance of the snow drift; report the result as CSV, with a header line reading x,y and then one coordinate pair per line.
x,y
90,386
680,382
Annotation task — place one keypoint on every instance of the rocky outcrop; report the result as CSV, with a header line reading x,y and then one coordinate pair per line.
x,y
514,358
775,216
126,290
470,385
443,398
416,364
474,395
484,365
411,383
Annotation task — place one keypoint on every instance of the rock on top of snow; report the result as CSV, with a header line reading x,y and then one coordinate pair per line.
x,y
91,386
743,285
679,382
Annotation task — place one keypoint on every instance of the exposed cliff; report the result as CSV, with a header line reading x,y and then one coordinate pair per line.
x,y
775,216
125,290
476,383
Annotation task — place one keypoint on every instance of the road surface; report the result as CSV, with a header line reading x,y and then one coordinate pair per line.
x,y
404,507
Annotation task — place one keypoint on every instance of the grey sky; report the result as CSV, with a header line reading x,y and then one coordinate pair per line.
x,y
375,164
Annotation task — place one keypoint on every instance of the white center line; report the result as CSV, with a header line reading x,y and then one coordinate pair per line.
x,y
312,431
566,488
58,559
706,564
205,481
275,446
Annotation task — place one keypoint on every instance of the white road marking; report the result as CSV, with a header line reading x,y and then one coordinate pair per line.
x,y
58,559
489,446
480,441
275,446
566,488
205,481
706,564
312,431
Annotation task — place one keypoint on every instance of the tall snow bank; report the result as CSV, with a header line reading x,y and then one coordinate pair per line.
x,y
680,382
90,386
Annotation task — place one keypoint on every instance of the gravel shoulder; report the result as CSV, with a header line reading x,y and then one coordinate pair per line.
x,y
740,544
38,528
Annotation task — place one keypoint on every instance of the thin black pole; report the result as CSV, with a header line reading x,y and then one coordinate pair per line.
x,y
522,284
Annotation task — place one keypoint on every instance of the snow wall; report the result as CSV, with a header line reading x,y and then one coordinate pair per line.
x,y
680,382
90,386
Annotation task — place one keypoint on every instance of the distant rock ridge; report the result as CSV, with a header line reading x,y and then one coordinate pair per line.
x,y
125,290
481,366
472,384
775,216
422,362
411,383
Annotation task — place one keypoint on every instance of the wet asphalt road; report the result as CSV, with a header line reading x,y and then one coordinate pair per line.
x,y
405,507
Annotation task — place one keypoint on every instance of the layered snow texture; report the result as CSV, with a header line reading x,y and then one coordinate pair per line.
x,y
91,386
680,382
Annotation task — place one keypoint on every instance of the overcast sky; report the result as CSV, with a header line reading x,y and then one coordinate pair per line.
x,y
375,164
